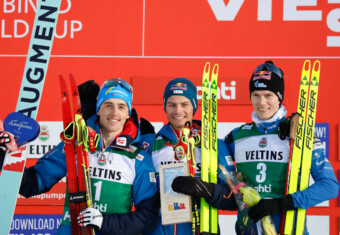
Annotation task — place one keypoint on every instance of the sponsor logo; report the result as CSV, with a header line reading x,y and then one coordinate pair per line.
x,y
102,208
140,157
121,141
44,134
176,206
101,161
179,86
19,125
262,75
264,155
229,160
179,152
145,146
103,173
260,84
224,92
152,177
263,188
263,142
247,127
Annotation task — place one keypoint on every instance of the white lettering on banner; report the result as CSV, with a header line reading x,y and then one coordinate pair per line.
x,y
228,12
19,6
33,224
59,196
333,22
19,28
225,12
290,12
223,91
75,26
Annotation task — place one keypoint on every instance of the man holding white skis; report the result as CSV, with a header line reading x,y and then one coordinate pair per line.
x,y
120,172
180,105
261,149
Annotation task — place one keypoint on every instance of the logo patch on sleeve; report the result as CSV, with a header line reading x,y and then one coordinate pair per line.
x,y
145,146
229,160
140,157
152,177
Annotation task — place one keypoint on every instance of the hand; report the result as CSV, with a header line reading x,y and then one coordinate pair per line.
x,y
192,186
270,206
88,92
7,141
90,217
284,127
146,127
4,137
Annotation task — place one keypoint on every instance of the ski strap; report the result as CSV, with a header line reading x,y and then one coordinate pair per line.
x,y
85,136
68,136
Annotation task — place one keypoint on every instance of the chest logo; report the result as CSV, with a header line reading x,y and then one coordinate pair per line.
x,y
102,160
263,142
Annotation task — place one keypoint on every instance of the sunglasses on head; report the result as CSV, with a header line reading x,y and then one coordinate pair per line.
x,y
118,81
270,68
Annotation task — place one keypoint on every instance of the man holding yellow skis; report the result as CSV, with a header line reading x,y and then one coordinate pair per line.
x,y
180,105
262,156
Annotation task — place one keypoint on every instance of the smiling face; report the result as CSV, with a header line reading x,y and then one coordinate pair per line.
x,y
265,103
113,115
179,110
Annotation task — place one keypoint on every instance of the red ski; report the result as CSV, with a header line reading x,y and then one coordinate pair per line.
x,y
78,180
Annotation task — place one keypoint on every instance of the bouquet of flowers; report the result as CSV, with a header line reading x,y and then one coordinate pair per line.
x,y
246,197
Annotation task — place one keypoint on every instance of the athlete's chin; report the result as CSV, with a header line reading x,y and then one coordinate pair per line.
x,y
179,122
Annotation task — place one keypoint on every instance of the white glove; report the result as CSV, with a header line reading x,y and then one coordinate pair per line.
x,y
90,217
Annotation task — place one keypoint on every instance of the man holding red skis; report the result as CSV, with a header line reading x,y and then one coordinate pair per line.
x,y
261,148
120,172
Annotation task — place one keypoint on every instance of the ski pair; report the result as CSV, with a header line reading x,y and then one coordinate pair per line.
x,y
209,215
78,139
302,146
30,93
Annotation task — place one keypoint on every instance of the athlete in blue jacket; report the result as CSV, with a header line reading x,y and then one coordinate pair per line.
x,y
262,156
122,175
180,104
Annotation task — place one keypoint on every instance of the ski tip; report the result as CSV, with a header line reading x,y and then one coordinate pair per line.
x,y
215,69
317,66
306,65
206,67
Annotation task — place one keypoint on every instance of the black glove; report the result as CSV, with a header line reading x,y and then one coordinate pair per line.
x,y
88,92
284,127
146,127
244,225
192,186
270,206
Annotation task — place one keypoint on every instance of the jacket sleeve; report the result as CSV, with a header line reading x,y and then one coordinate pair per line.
x,y
48,170
326,185
146,201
